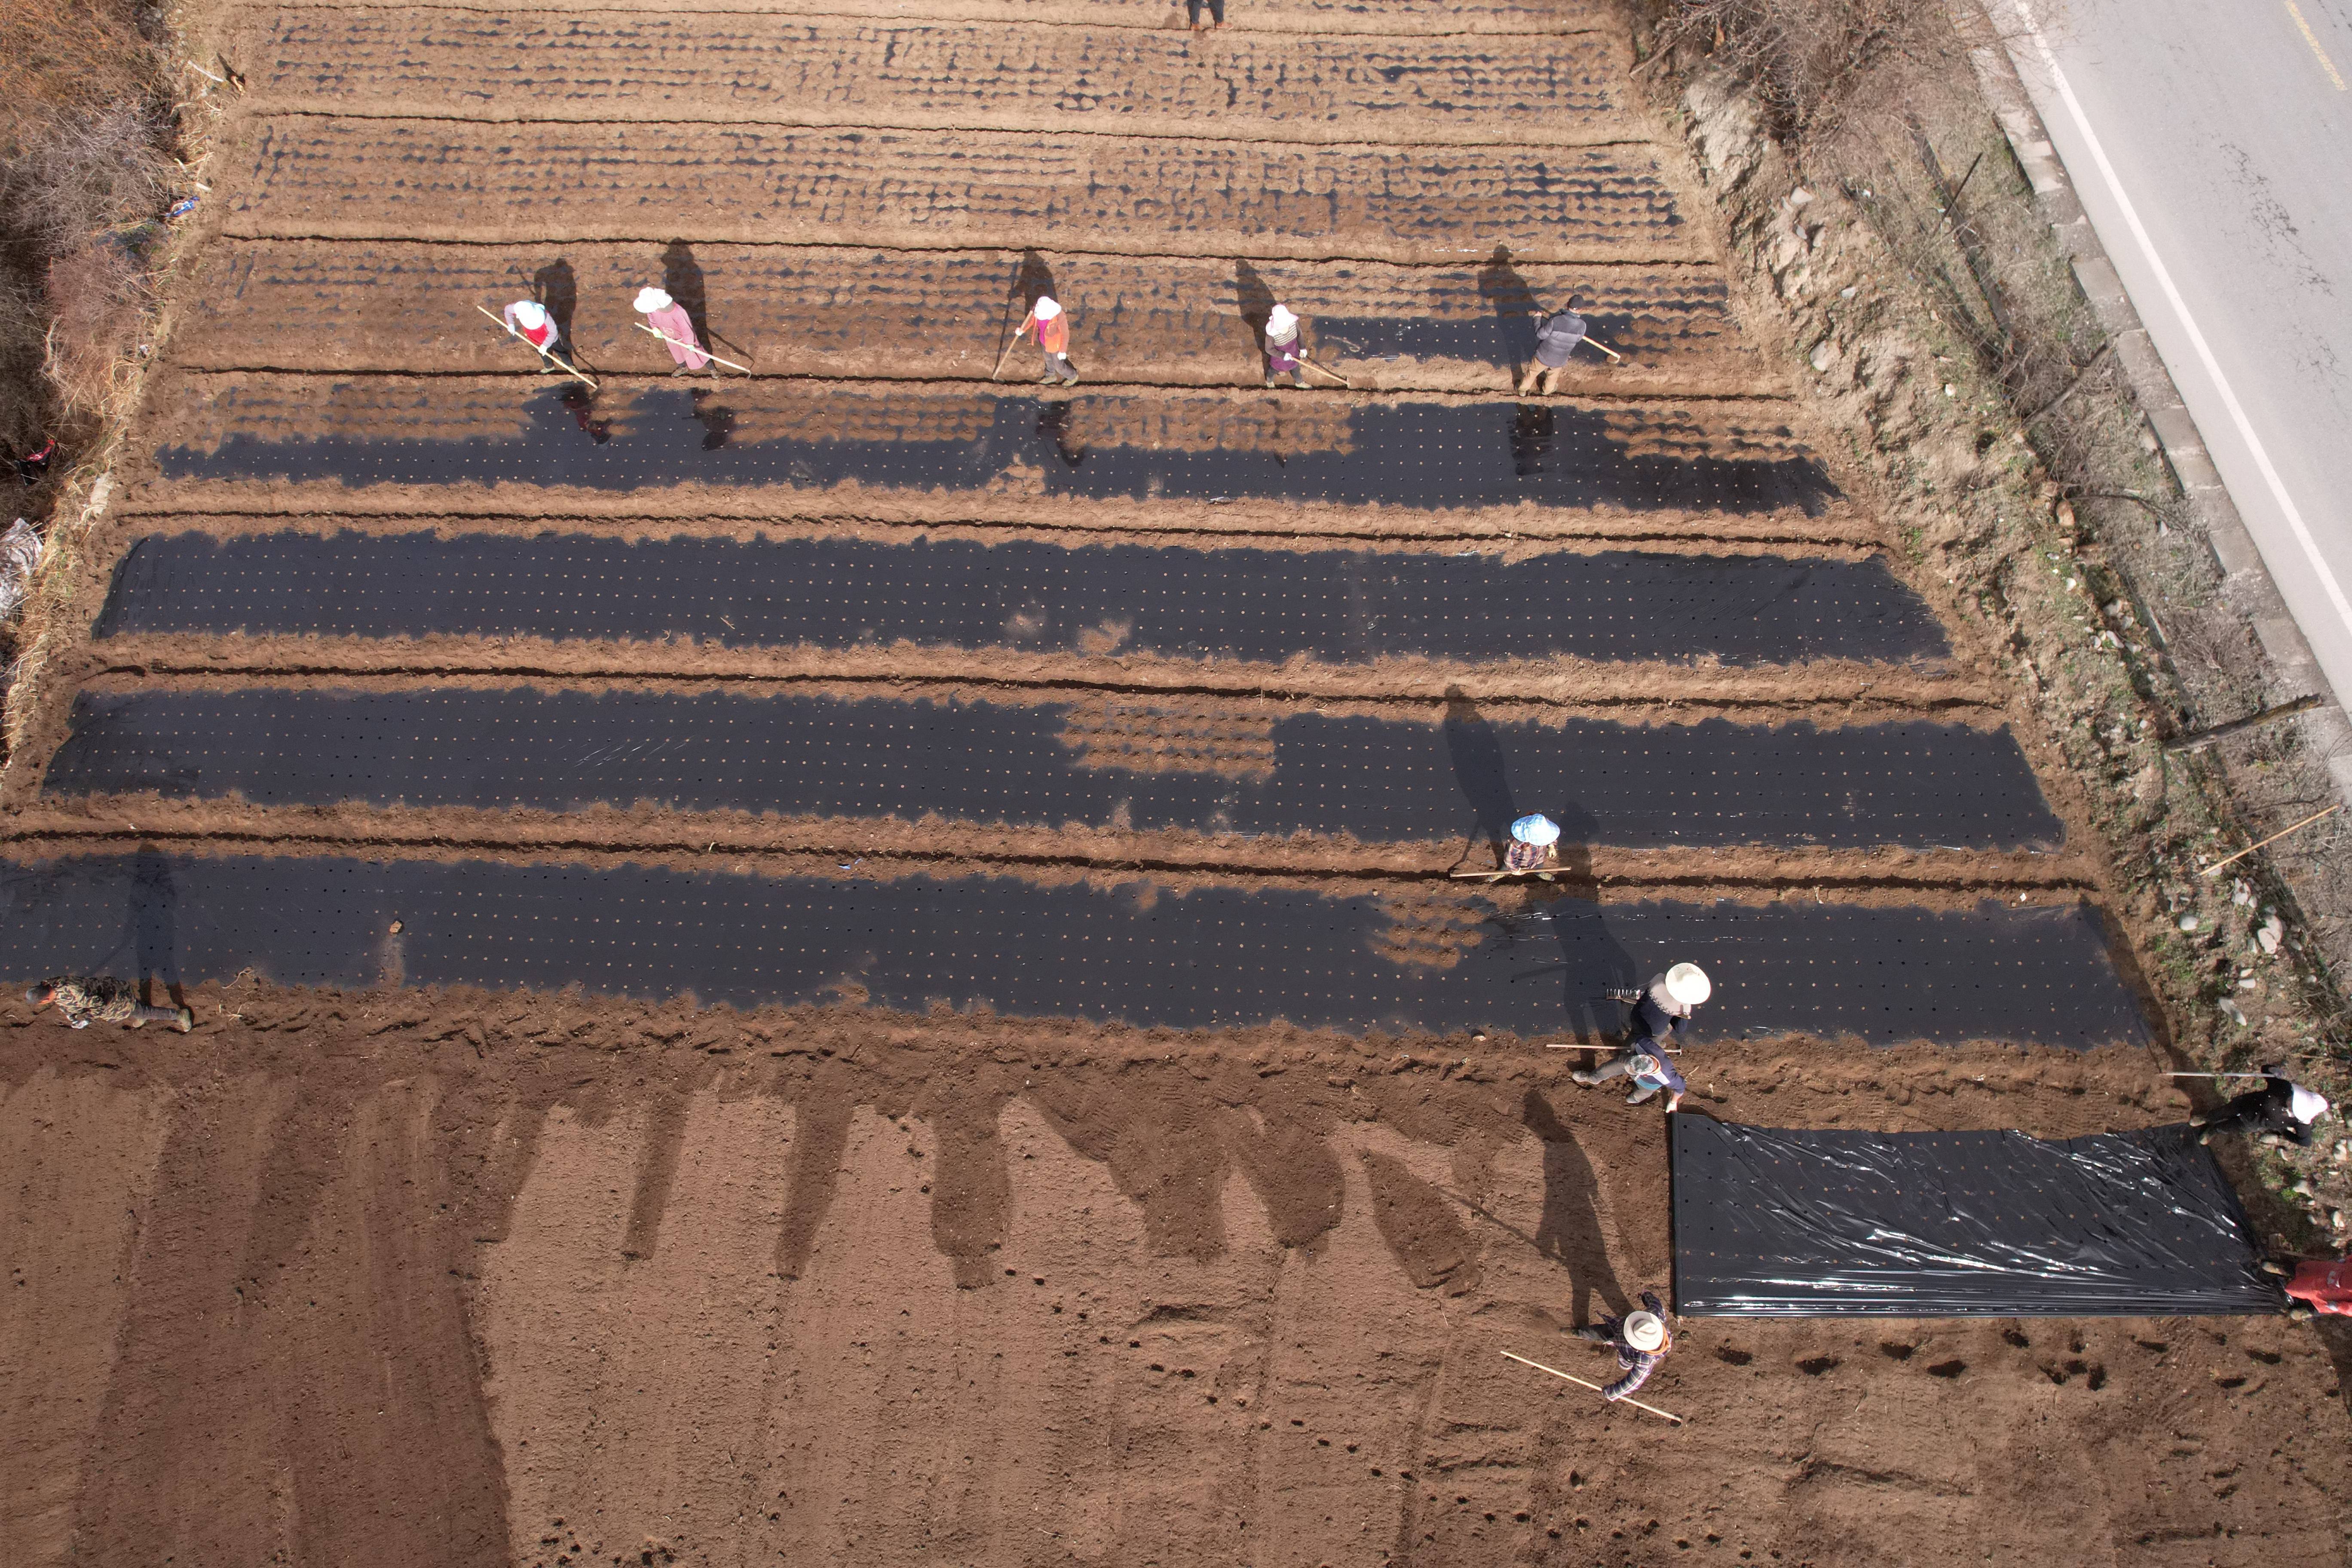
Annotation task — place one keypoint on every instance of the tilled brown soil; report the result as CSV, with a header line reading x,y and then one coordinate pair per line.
x,y
396,308
1537,90
409,1276
315,176
390,1278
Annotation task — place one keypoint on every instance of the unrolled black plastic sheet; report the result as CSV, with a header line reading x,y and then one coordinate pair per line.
x,y
1776,1223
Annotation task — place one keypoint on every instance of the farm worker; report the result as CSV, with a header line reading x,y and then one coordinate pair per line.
x,y
529,320
80,999
1660,1012
1282,348
1535,844
2283,1108
1556,338
667,317
1051,324
2318,1286
1192,9
1642,1340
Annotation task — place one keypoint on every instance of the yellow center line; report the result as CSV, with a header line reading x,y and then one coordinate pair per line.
x,y
2312,39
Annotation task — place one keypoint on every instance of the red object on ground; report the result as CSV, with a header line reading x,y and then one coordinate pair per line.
x,y
2327,1287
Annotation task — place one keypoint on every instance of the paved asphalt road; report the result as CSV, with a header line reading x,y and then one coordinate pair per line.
x,y
2211,142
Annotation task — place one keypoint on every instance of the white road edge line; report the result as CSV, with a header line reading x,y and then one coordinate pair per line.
x,y
2023,11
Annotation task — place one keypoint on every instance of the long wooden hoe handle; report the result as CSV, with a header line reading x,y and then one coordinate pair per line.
x,y
691,348
568,369
1595,1387
1335,375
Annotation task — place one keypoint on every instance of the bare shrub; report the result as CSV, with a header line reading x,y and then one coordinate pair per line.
x,y
1804,60
83,180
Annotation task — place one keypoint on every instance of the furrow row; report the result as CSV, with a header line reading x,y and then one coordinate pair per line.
x,y
1414,18
321,176
1203,957
391,307
910,452
1257,606
1110,763
912,75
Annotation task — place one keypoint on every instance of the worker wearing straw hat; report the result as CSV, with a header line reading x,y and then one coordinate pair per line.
x,y
2282,1109
1642,1339
1660,1012
529,320
1535,844
1051,324
1282,355
667,317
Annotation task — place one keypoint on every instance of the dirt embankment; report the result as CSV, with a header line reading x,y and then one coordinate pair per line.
x,y
480,1280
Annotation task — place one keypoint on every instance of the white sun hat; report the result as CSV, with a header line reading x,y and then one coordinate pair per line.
x,y
650,299
531,312
2305,1105
1644,1332
1280,321
1688,985
1536,828
1046,308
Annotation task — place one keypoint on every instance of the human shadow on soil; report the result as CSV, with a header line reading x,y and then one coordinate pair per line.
x,y
1506,293
1569,1232
557,286
1592,959
1424,1234
683,281
1032,280
1256,302
1416,455
1054,430
1475,748
150,935
581,404
1532,427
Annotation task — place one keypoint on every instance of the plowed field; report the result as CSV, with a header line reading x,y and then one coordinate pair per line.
x,y
855,960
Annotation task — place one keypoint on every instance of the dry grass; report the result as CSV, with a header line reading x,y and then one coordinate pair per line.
x,y
1805,61
87,174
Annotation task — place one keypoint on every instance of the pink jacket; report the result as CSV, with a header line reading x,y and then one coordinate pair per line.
x,y
678,324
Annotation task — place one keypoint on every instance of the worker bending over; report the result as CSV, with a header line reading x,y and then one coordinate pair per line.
x,y
1282,351
1642,1340
2282,1107
529,320
82,1000
1534,846
1051,324
1557,336
1660,1013
667,317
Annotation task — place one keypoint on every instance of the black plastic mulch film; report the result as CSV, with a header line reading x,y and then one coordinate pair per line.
x,y
1218,956
1414,455
1775,1223
1381,780
1266,605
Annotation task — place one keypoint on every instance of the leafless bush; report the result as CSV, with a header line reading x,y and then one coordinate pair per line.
x,y
84,180
1804,59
